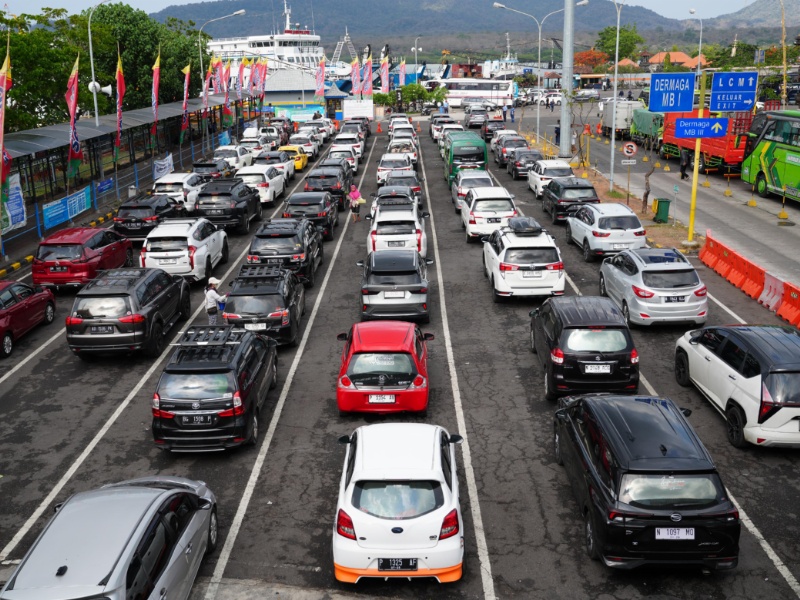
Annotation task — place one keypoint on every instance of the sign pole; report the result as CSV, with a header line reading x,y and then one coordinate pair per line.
x,y
696,171
628,194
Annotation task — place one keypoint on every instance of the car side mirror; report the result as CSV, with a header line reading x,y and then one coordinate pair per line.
x,y
368,217
344,439
360,263
425,215
534,313
38,289
204,503
455,439
429,261
686,412
177,278
484,238
428,337
342,337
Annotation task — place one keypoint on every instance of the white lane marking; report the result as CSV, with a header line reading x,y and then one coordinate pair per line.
x,y
244,503
24,276
472,488
725,308
573,286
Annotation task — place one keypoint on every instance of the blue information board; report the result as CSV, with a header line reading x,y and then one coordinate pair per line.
x,y
671,92
701,128
65,209
734,91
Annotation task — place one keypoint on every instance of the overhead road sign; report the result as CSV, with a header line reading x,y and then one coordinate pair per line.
x,y
671,92
733,91
701,128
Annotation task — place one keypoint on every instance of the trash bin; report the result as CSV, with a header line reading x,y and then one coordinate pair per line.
x,y
662,210
132,191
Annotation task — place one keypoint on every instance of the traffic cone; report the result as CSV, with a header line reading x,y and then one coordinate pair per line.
x,y
379,127
419,129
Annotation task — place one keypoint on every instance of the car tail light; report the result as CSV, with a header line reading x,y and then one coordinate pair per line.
x,y
368,292
321,214
231,316
505,151
416,189
768,405
150,219
557,356
642,293
600,234
640,233
346,382
419,382
618,517
338,185
216,175
73,321
233,204
185,194
253,258
264,185
517,164
155,404
634,357
460,191
344,525
702,292
135,318
472,218
118,220
192,250
559,266
142,255
197,206
283,315
238,407
419,240
299,257
508,267
374,237
306,187
286,215
449,525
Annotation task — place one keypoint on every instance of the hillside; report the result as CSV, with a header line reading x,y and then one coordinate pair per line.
x,y
761,13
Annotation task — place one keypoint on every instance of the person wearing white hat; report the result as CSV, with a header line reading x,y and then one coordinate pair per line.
x,y
212,300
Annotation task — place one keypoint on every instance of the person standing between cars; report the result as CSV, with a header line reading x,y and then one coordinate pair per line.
x,y
505,112
684,163
558,132
213,300
552,104
512,113
446,107
355,203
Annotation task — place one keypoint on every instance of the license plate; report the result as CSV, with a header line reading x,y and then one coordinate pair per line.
x,y
214,211
394,294
197,419
168,261
532,274
396,244
619,246
255,326
381,399
597,369
273,261
674,533
397,564
674,299
101,329
133,225
58,269
493,220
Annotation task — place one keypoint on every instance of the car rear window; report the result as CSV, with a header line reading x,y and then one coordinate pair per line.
x,y
280,244
97,307
621,222
214,197
471,182
397,499
267,160
396,227
387,368
661,491
225,154
340,154
135,213
253,179
579,193
530,256
784,388
196,386
306,208
393,163
400,148
557,172
670,279
493,205
595,339
59,251
166,188
515,143
209,168
394,278
166,244
262,304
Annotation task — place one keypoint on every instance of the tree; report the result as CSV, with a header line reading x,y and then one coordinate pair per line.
x,y
591,58
629,38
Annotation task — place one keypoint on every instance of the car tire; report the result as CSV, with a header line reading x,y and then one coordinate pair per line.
x,y
682,375
253,439
223,259
244,226
336,222
213,531
602,286
589,537
156,343
128,258
735,426
553,215
208,269
7,346
626,314
568,232
49,313
260,209
296,337
548,388
274,381
533,342
485,270
587,252
557,446
467,236
186,307
496,298
328,237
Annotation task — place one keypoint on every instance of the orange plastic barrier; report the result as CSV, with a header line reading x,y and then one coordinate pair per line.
x,y
724,259
599,128
753,284
772,296
790,306
736,275
708,253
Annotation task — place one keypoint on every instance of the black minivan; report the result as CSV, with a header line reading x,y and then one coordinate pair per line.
x,y
647,489
584,345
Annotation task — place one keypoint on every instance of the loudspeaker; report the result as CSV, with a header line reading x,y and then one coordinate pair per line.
x,y
107,90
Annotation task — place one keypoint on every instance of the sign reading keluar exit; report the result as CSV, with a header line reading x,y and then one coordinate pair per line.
x,y
671,92
735,91
700,128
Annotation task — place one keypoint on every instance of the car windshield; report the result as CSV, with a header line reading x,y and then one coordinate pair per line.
x,y
166,244
595,339
393,163
514,143
59,252
97,307
394,278
471,182
166,188
225,154
530,256
397,499
557,172
135,213
305,208
208,168
396,227
196,386
262,304
494,205
382,368
528,156
267,160
253,179
670,279
622,222
671,491
277,244
784,388
579,193
401,148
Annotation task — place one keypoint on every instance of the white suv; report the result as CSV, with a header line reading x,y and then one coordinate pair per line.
x,y
236,156
543,171
392,162
485,209
397,229
183,187
523,260
187,247
601,229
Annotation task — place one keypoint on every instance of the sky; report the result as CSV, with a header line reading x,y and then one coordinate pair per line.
x,y
676,9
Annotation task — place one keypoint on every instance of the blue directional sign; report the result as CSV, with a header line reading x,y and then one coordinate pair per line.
x,y
701,128
671,92
733,91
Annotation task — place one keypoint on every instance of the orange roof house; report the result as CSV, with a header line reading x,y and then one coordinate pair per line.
x,y
676,58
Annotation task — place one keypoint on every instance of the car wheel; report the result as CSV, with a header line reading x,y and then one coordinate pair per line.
x,y
455,208
253,439
467,236
626,314
7,346
336,222
260,209
587,252
553,215
208,269
49,313
244,225
557,446
496,298
213,531
156,344
485,270
590,539
274,382
568,232
761,185
128,258
225,253
186,308
602,285
312,276
548,387
328,237
296,337
682,369
736,423
533,342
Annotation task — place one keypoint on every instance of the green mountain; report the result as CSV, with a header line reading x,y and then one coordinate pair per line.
x,y
761,13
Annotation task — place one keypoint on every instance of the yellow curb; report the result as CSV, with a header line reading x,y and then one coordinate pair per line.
x,y
101,219
15,266
29,258
3,272
92,223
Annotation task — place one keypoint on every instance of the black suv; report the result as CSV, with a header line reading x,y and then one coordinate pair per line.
x,y
584,345
522,162
139,216
564,192
318,207
328,179
343,165
212,389
268,300
229,202
126,310
409,178
212,169
490,126
293,244
646,487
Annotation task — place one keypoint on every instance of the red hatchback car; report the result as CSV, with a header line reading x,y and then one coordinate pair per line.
x,y
22,307
384,368
72,257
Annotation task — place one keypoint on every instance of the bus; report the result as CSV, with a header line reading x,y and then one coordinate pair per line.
x,y
772,154
464,153
498,91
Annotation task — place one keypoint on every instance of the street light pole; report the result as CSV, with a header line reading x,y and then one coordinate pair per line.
x,y
94,87
783,46
416,65
700,46
613,103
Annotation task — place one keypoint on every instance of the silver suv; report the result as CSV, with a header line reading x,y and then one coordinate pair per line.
x,y
601,229
395,285
142,538
654,285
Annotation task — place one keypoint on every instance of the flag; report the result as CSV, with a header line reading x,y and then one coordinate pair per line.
x,y
154,100
217,62
185,115
227,113
355,76
366,85
226,76
75,152
244,62
120,96
402,78
320,82
209,74
254,67
5,170
385,75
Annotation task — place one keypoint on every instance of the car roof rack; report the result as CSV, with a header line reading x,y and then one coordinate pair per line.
x,y
250,271
211,335
524,226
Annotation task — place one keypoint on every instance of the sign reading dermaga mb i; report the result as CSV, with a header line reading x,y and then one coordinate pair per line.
x,y
671,92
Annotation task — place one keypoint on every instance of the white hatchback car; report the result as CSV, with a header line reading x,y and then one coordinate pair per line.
x,y
183,187
346,152
397,229
485,209
236,156
349,140
602,229
267,180
399,511
523,260
187,247
543,171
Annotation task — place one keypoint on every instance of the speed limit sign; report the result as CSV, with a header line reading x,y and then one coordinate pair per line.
x,y
629,148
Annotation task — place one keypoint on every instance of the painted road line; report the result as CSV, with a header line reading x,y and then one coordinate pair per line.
x,y
469,472
255,473
725,308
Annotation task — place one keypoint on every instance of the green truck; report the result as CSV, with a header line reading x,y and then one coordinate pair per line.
x,y
647,128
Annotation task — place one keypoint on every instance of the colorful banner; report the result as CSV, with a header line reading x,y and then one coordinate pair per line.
x,y
185,114
154,100
75,153
366,86
385,75
67,208
163,167
240,80
402,78
5,169
319,91
355,77
13,215
227,113
217,62
120,96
